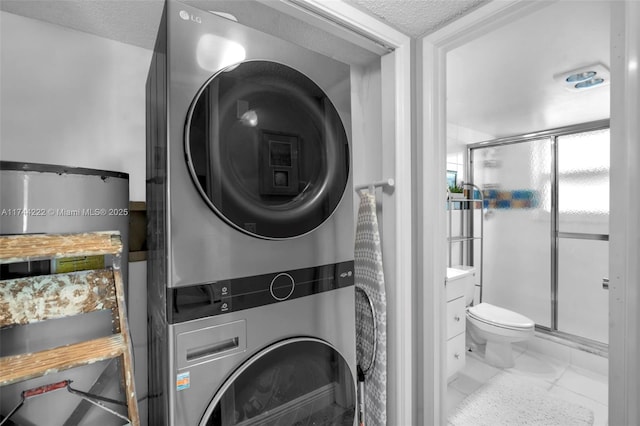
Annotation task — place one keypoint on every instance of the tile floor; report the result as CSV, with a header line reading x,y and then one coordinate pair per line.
x,y
556,374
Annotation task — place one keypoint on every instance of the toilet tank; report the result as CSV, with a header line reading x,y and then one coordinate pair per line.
x,y
460,281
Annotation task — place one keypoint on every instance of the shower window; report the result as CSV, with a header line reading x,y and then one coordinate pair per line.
x,y
583,182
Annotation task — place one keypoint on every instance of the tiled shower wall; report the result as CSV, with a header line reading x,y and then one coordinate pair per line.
x,y
457,139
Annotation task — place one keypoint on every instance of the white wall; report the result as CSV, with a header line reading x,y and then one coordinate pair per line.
x,y
72,99
78,100
458,137
366,129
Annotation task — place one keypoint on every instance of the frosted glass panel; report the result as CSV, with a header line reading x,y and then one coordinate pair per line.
x,y
516,185
582,302
583,182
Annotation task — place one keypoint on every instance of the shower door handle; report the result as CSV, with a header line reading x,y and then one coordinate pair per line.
x,y
605,283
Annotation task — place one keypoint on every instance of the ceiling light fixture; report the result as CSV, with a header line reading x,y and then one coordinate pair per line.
x,y
582,76
587,77
589,83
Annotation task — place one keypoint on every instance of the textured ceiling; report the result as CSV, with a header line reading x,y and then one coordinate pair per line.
x,y
417,17
129,21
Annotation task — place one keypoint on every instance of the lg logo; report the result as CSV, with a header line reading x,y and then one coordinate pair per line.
x,y
188,17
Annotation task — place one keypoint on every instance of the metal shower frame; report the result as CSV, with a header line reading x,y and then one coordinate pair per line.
x,y
552,332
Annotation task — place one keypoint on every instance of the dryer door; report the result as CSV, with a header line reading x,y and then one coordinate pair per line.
x,y
297,381
267,150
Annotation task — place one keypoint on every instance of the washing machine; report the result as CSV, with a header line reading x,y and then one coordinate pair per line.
x,y
250,219
285,362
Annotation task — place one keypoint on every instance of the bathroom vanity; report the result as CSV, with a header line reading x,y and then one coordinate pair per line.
x,y
459,286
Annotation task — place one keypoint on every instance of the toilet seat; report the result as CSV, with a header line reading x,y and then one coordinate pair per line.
x,y
500,317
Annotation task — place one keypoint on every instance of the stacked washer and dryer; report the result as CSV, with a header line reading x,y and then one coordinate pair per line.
x,y
250,209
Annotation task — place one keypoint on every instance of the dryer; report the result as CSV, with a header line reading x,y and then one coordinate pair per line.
x,y
250,215
248,151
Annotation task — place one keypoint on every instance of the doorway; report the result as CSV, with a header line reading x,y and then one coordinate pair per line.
x,y
511,81
624,229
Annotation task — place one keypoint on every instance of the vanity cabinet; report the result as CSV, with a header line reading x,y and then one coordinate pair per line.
x,y
459,285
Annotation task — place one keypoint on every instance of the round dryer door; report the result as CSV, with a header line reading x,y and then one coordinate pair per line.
x,y
300,381
267,150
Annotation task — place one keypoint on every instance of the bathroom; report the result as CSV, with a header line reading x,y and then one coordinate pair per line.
x,y
410,109
538,150
502,96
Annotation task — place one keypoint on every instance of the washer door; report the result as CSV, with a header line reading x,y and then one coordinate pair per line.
x,y
300,381
267,150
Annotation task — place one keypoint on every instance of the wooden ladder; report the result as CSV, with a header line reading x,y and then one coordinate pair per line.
x,y
40,298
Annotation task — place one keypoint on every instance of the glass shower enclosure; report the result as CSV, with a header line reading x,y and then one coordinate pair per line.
x,y
546,228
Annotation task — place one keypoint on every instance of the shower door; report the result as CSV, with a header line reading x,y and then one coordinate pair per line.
x,y
516,182
546,228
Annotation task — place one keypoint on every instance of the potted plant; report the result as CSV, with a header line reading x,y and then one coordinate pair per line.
x,y
456,192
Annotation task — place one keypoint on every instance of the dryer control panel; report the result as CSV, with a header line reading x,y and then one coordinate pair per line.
x,y
221,297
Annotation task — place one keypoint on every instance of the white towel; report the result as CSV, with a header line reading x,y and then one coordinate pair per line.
x,y
369,275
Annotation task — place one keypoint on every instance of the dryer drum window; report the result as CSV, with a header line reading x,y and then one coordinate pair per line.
x,y
267,150
302,382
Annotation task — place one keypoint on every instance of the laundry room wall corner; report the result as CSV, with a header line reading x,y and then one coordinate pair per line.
x,y
396,218
83,109
381,149
67,99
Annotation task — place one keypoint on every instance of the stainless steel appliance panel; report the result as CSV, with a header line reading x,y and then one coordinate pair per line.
x,y
326,316
202,247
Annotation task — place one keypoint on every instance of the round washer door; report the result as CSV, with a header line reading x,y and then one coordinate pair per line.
x,y
301,381
267,150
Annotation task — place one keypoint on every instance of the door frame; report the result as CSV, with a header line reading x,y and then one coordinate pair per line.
x,y
624,239
624,293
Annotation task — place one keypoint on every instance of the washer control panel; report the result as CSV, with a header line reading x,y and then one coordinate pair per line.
x,y
221,297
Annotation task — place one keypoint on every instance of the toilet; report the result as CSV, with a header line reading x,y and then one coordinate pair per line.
x,y
498,328
493,326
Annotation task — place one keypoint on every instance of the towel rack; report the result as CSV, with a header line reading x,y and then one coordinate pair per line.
x,y
389,183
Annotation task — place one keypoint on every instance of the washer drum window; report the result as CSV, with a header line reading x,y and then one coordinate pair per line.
x,y
301,381
267,150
